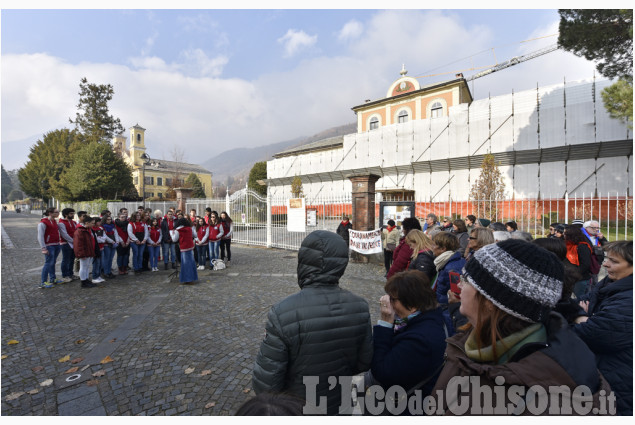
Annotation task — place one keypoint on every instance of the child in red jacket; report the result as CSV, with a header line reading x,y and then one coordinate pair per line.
x,y
84,246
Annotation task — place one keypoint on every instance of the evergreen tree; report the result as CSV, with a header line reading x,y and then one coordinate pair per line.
x,y
15,195
488,188
618,100
93,119
48,158
297,190
96,173
258,172
7,186
604,36
194,182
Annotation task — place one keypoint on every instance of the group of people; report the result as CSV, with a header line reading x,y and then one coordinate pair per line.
x,y
461,302
151,236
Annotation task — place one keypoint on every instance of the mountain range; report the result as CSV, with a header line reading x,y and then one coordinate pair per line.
x,y
238,162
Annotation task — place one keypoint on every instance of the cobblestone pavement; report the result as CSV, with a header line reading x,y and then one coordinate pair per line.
x,y
175,349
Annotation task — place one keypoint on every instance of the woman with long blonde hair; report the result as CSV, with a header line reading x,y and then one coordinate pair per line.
x,y
422,257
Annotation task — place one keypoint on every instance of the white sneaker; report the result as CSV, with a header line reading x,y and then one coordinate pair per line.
x,y
98,280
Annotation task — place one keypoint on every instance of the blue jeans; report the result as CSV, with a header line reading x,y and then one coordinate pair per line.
x,y
68,258
137,256
49,263
106,259
201,250
168,248
97,266
188,271
154,255
213,251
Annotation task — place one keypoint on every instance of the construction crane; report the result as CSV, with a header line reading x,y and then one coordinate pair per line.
x,y
514,61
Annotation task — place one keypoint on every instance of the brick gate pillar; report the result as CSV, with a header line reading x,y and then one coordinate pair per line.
x,y
363,218
182,195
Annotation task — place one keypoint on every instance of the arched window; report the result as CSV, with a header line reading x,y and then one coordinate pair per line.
x,y
402,117
436,110
374,123
138,137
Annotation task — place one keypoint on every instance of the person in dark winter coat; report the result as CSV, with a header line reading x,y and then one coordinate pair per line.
x,y
579,253
409,339
608,327
515,342
321,331
343,228
403,253
84,244
446,259
460,231
567,306
422,257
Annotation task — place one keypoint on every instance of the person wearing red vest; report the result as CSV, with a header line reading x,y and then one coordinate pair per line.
x,y
154,243
84,245
226,239
102,239
168,246
216,232
48,236
67,228
202,234
184,234
138,235
123,243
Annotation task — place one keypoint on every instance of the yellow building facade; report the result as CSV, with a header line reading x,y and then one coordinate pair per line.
x,y
153,177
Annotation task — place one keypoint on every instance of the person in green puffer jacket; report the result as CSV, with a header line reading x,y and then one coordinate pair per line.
x,y
322,331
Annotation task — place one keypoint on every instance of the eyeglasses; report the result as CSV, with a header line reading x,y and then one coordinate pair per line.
x,y
472,238
596,228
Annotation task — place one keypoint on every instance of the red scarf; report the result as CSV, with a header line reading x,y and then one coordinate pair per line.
x,y
344,222
390,228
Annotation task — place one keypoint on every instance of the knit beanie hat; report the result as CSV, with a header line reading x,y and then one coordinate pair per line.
x,y
484,222
578,222
520,278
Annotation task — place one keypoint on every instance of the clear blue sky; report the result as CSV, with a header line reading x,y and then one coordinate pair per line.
x,y
218,79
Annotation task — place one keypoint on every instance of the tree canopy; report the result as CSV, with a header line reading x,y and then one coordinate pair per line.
x,y
96,173
487,188
604,36
93,119
258,172
194,182
297,191
48,158
7,185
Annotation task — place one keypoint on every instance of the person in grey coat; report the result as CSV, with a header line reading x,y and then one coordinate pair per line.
x,y
320,332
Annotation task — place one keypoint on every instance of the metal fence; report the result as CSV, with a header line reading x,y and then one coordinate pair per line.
x,y
262,221
613,211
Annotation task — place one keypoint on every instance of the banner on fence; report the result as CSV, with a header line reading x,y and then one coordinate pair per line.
x,y
365,242
296,215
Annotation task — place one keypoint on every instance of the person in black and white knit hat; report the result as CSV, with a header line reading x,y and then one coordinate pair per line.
x,y
521,279
513,341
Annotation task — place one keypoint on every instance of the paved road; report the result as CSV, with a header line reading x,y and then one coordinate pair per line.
x,y
175,349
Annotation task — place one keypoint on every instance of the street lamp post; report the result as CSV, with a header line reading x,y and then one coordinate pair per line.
x,y
146,161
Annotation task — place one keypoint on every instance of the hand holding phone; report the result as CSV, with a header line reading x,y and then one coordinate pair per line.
x,y
455,278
